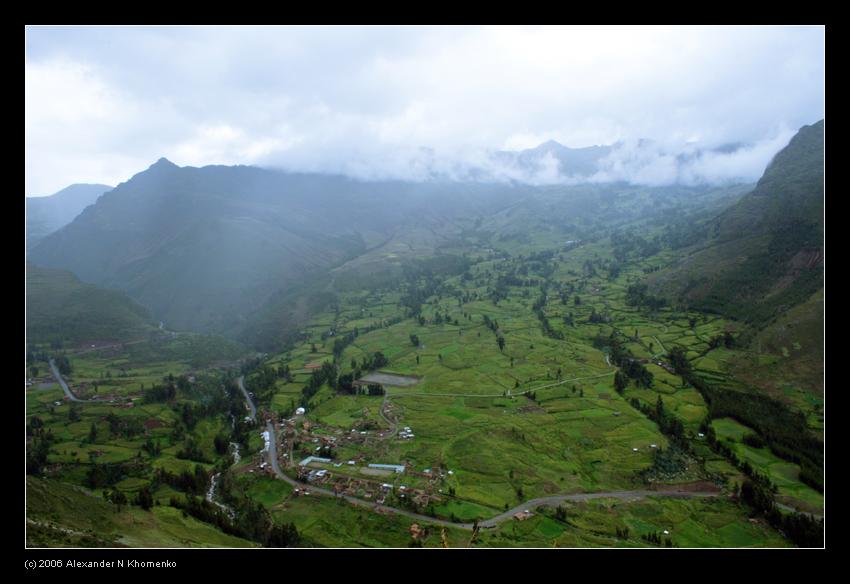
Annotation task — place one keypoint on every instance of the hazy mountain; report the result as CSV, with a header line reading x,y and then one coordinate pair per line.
x,y
60,307
764,254
44,215
554,157
204,248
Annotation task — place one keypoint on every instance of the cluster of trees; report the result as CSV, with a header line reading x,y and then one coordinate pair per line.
x,y
38,446
105,475
251,521
655,538
63,364
758,491
636,295
784,431
669,424
491,324
678,358
726,340
194,483
125,426
327,373
597,318
344,383
743,465
537,307
192,451
622,358
342,342
168,391
800,528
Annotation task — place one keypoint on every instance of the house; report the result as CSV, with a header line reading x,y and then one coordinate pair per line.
x,y
399,468
310,459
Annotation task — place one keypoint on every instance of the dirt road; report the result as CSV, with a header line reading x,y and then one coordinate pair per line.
x,y
488,523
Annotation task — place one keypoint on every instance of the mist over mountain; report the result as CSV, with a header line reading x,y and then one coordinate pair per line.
x,y
764,254
642,162
205,247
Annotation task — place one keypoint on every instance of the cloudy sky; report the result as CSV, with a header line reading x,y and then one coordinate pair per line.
x,y
103,103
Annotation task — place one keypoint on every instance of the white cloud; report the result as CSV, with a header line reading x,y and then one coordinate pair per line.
x,y
366,100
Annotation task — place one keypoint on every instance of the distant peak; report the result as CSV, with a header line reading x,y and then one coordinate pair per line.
x,y
164,163
551,144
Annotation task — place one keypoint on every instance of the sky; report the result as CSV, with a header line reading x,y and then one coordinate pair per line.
x,y
103,103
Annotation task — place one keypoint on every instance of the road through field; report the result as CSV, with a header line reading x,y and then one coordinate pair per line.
x,y
61,381
488,523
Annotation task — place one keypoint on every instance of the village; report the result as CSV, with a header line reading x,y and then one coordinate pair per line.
x,y
309,452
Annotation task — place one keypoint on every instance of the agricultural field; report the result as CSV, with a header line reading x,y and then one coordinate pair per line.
x,y
507,398
785,474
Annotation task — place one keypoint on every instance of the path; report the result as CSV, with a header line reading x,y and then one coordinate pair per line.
x,y
624,495
657,340
64,385
241,383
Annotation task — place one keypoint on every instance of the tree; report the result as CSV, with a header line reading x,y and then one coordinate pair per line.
x,y
501,341
145,499
620,381
118,498
414,340
34,371
679,360
93,433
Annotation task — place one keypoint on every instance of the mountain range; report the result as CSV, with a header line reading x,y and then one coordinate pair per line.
x,y
225,249
44,215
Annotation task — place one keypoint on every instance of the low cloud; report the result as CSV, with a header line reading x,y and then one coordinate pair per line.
x,y
414,102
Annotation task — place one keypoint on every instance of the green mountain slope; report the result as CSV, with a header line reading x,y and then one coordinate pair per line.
x,y
206,248
764,254
60,307
63,515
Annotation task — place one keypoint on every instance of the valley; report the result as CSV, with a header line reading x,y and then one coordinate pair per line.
x,y
527,367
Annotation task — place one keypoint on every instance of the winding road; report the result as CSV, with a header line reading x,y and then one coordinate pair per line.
x,y
241,383
488,523
64,385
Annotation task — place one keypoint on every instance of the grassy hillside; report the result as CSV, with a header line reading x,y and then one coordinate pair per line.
x,y
60,514
763,255
61,308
